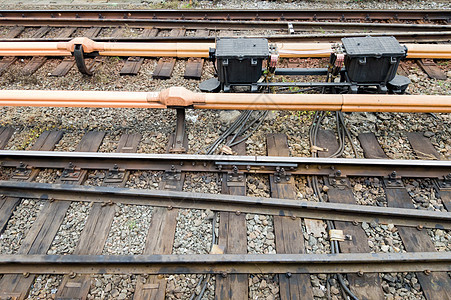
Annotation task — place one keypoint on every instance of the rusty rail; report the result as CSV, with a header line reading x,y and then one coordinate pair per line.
x,y
227,263
230,203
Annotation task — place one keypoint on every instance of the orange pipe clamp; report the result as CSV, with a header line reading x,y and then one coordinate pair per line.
x,y
439,51
181,97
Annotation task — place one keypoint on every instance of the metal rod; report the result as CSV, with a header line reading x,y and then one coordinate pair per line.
x,y
219,202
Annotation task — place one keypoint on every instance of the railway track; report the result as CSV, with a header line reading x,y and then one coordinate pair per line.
x,y
203,226
226,257
204,26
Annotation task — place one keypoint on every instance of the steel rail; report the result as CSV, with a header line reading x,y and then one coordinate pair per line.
x,y
227,25
229,203
221,163
227,263
235,14
403,37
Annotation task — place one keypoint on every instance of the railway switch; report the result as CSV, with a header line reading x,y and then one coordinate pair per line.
x,y
357,65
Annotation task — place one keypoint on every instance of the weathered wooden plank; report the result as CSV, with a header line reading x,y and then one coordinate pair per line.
x,y
47,141
133,63
431,68
15,32
193,68
370,146
33,65
445,195
6,62
288,233
367,286
5,134
91,141
47,223
422,146
176,32
202,32
95,233
41,32
159,240
164,68
436,285
232,237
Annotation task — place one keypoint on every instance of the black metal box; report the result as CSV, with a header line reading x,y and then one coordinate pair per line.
x,y
239,60
372,59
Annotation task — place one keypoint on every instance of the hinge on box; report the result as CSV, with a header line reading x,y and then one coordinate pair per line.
x,y
172,174
281,176
71,173
114,175
393,181
235,178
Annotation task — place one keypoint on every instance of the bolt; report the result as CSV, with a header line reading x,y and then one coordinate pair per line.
x,y
420,227
343,181
160,276
393,174
288,274
360,273
293,217
355,223
427,272
338,173
224,274
115,167
72,275
26,275
307,167
237,213
170,207
51,199
319,167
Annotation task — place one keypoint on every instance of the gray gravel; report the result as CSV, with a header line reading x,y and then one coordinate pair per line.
x,y
18,226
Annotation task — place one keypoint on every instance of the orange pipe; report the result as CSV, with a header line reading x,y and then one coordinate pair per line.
x,y
181,97
442,51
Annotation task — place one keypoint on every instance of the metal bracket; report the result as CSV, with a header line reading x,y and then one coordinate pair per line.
x,y
114,175
445,184
281,176
339,181
393,181
235,178
172,174
22,172
71,173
